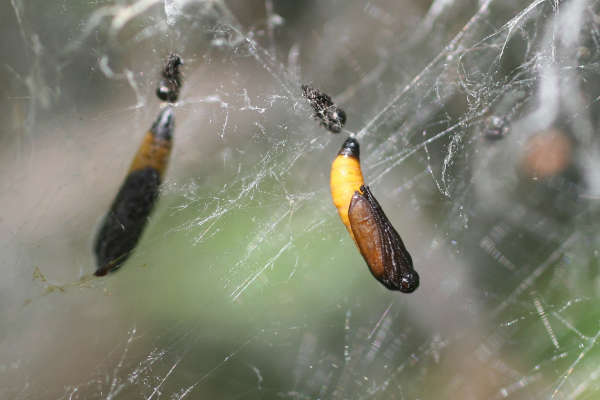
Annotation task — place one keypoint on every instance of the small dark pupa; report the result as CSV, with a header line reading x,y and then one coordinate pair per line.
x,y
495,128
170,84
124,223
332,117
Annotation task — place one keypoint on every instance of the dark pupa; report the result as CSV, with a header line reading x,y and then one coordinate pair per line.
x,y
170,84
332,117
124,223
495,128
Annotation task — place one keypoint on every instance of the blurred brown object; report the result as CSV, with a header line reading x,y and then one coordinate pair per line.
x,y
546,154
